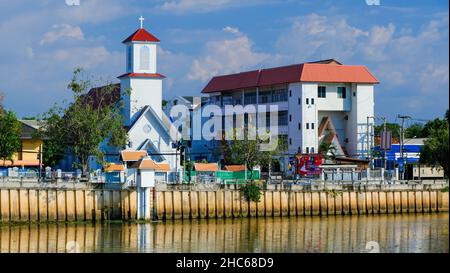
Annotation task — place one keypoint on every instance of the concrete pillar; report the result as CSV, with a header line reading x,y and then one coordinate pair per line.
x,y
382,174
396,174
143,203
368,173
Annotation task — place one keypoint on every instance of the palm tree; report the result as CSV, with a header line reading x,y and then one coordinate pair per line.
x,y
328,150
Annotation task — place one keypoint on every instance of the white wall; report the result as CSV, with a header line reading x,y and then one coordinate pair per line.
x,y
309,115
136,57
331,102
295,110
145,92
147,178
362,107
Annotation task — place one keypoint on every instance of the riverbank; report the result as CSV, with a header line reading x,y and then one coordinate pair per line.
x,y
76,205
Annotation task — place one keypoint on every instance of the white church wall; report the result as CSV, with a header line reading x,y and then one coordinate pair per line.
x,y
145,92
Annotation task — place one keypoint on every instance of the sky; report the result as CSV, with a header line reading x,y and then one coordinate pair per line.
x,y
404,43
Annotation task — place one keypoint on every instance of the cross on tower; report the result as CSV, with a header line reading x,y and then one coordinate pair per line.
x,y
142,21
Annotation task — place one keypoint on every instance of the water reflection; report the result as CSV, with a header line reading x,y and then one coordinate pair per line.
x,y
394,233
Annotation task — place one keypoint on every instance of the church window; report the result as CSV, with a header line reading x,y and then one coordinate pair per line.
x,y
129,56
145,58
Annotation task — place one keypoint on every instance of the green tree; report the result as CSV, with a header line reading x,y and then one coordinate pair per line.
x,y
248,151
433,125
81,126
393,127
415,130
435,150
10,133
328,150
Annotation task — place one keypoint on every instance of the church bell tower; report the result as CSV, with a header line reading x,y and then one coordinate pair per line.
x,y
141,76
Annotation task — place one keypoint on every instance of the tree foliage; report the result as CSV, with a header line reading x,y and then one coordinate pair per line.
x,y
393,127
435,150
10,133
251,192
81,126
328,150
248,151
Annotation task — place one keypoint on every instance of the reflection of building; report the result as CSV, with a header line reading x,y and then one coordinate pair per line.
x,y
411,155
31,147
320,101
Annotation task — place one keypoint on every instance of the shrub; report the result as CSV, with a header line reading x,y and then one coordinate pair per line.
x,y
251,191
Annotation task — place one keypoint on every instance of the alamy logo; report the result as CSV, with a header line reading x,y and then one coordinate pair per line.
x,y
72,2
373,2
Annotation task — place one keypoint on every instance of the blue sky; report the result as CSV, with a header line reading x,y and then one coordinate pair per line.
x,y
404,43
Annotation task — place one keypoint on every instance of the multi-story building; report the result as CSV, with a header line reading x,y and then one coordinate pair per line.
x,y
316,102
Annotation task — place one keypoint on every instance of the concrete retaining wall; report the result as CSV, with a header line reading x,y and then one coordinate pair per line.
x,y
48,205
231,203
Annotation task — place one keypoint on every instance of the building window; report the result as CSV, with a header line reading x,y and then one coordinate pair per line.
x,y
299,126
312,101
279,95
354,94
321,92
312,125
307,126
307,101
312,150
299,101
290,117
290,93
145,58
283,118
290,141
307,150
129,56
249,98
265,96
342,92
268,119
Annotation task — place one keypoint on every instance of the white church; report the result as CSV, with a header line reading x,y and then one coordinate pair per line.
x,y
147,125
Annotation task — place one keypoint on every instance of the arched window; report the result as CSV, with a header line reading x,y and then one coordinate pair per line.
x,y
145,58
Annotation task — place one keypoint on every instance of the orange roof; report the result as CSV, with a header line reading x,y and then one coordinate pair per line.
x,y
206,167
19,163
114,167
306,72
165,167
149,164
133,155
336,73
235,168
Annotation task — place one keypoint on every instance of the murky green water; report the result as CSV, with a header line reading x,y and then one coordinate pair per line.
x,y
392,233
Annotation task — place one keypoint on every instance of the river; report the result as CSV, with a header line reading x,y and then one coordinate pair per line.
x,y
384,233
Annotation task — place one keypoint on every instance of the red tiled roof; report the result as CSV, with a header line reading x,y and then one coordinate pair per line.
x,y
141,35
235,168
206,167
308,72
142,75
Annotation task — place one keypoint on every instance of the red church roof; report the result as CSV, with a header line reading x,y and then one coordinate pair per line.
x,y
142,75
307,72
141,35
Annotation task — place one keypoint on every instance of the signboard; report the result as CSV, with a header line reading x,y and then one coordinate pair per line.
x,y
386,140
309,164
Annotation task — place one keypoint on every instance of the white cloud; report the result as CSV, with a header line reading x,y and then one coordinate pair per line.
x,y
202,6
232,30
60,31
315,36
434,77
225,56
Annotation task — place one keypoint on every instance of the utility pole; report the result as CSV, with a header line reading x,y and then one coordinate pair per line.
x,y
368,139
402,140
384,148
